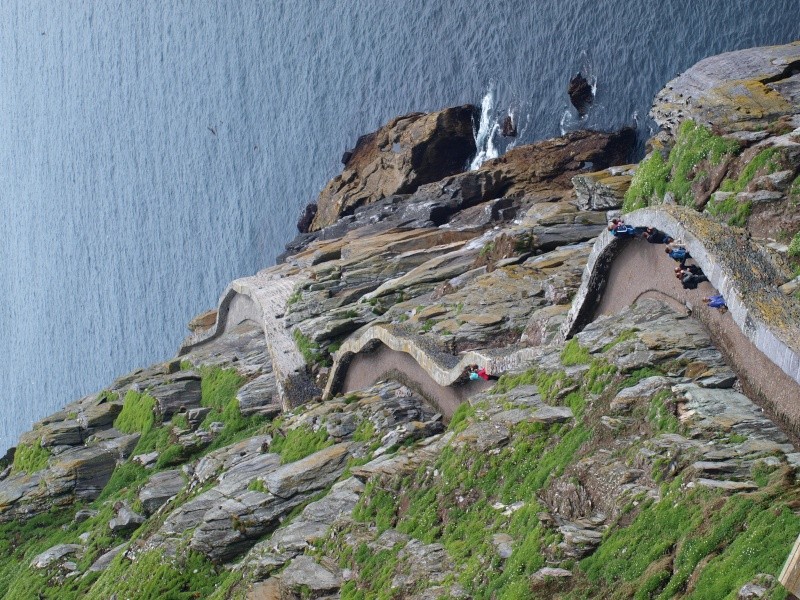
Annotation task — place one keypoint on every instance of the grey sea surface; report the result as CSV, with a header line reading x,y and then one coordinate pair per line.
x,y
151,151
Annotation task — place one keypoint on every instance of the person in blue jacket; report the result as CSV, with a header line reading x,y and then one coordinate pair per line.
x,y
716,301
678,253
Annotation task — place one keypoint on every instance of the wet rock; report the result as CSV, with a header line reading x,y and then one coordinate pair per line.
x,y
580,94
509,129
310,211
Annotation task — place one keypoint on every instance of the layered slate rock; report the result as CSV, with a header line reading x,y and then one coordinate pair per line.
x,y
160,488
603,190
745,90
399,157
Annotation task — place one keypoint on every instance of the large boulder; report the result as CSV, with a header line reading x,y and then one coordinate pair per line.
x,y
547,167
580,94
745,90
397,158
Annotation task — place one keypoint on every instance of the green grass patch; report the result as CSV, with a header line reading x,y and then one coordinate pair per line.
x,y
736,212
761,161
660,416
257,485
720,542
794,246
311,351
30,458
364,432
574,354
638,375
655,176
649,181
299,442
138,413
623,336
434,510
461,417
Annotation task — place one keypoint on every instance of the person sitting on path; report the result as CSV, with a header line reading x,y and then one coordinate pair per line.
x,y
693,269
678,253
625,231
655,236
690,281
476,372
716,301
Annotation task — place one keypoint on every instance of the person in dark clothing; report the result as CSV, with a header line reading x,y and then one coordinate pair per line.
x,y
690,282
693,269
655,236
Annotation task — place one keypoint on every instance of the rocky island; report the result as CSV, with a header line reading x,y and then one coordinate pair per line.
x,y
317,435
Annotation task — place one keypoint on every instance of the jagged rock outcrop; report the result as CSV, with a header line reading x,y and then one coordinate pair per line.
x,y
397,158
580,94
746,90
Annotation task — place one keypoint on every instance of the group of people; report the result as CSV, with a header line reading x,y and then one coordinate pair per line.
x,y
690,276
474,372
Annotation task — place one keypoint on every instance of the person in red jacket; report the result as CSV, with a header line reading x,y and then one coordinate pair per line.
x,y
475,372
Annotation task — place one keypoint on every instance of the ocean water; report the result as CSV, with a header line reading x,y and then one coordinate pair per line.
x,y
151,151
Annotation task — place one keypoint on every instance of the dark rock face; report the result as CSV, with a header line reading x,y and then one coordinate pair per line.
x,y
509,129
580,94
544,169
306,217
396,159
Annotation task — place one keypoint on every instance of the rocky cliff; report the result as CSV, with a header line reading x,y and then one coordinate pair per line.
x,y
317,435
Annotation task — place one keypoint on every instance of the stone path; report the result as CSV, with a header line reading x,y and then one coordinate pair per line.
x,y
760,334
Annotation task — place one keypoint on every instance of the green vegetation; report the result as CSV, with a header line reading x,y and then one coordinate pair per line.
x,y
257,485
794,246
432,511
487,249
694,543
30,458
137,414
760,161
299,442
574,354
153,576
738,211
623,336
312,353
660,417
655,176
364,432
